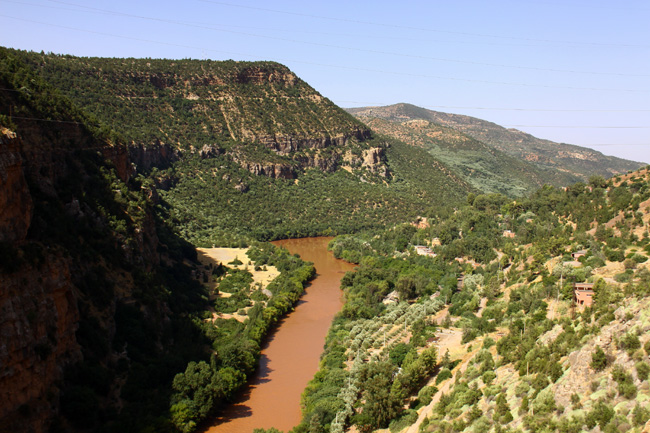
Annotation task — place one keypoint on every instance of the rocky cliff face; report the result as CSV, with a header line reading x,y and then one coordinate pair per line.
x,y
144,157
45,174
371,159
326,153
287,144
39,317
259,75
274,171
15,200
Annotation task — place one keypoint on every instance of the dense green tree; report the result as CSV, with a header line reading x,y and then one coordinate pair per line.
x,y
380,404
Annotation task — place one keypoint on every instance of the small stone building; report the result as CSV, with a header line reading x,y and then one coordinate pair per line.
x,y
583,294
578,254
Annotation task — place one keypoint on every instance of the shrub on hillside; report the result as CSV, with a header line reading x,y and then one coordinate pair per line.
x,y
642,370
640,415
625,382
629,342
614,255
598,359
444,374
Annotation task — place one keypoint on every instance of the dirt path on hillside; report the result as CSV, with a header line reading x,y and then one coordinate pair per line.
x,y
449,339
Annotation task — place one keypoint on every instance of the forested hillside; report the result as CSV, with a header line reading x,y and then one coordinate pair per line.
x,y
482,333
228,143
491,158
212,203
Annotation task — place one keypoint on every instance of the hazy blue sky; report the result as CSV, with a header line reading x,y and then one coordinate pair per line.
x,y
571,71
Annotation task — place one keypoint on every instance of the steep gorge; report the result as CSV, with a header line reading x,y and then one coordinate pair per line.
x,y
76,244
104,164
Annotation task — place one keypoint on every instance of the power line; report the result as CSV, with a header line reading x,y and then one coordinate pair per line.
x,y
83,123
466,80
576,127
49,120
586,6
505,126
348,48
204,25
447,107
437,77
454,107
115,36
274,30
481,35
613,144
431,106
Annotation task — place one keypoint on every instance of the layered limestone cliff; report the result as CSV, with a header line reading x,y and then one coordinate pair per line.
x,y
287,144
274,171
166,109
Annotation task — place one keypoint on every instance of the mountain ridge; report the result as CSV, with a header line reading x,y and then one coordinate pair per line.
x,y
558,164
246,122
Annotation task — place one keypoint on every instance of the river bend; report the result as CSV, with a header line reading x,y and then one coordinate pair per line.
x,y
292,350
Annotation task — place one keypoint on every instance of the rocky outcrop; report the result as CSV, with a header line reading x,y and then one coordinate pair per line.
x,y
119,156
15,200
145,157
372,159
272,170
263,75
324,162
146,251
326,153
324,159
208,151
287,144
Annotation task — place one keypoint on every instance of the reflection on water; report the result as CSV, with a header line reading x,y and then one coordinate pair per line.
x,y
292,351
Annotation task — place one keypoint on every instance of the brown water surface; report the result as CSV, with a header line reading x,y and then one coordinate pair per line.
x,y
291,354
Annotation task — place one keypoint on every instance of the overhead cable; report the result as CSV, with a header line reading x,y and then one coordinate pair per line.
x,y
342,47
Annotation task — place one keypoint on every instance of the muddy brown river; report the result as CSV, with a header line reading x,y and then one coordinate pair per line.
x,y
291,353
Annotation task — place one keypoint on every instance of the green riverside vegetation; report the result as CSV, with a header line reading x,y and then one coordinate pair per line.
x,y
528,359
